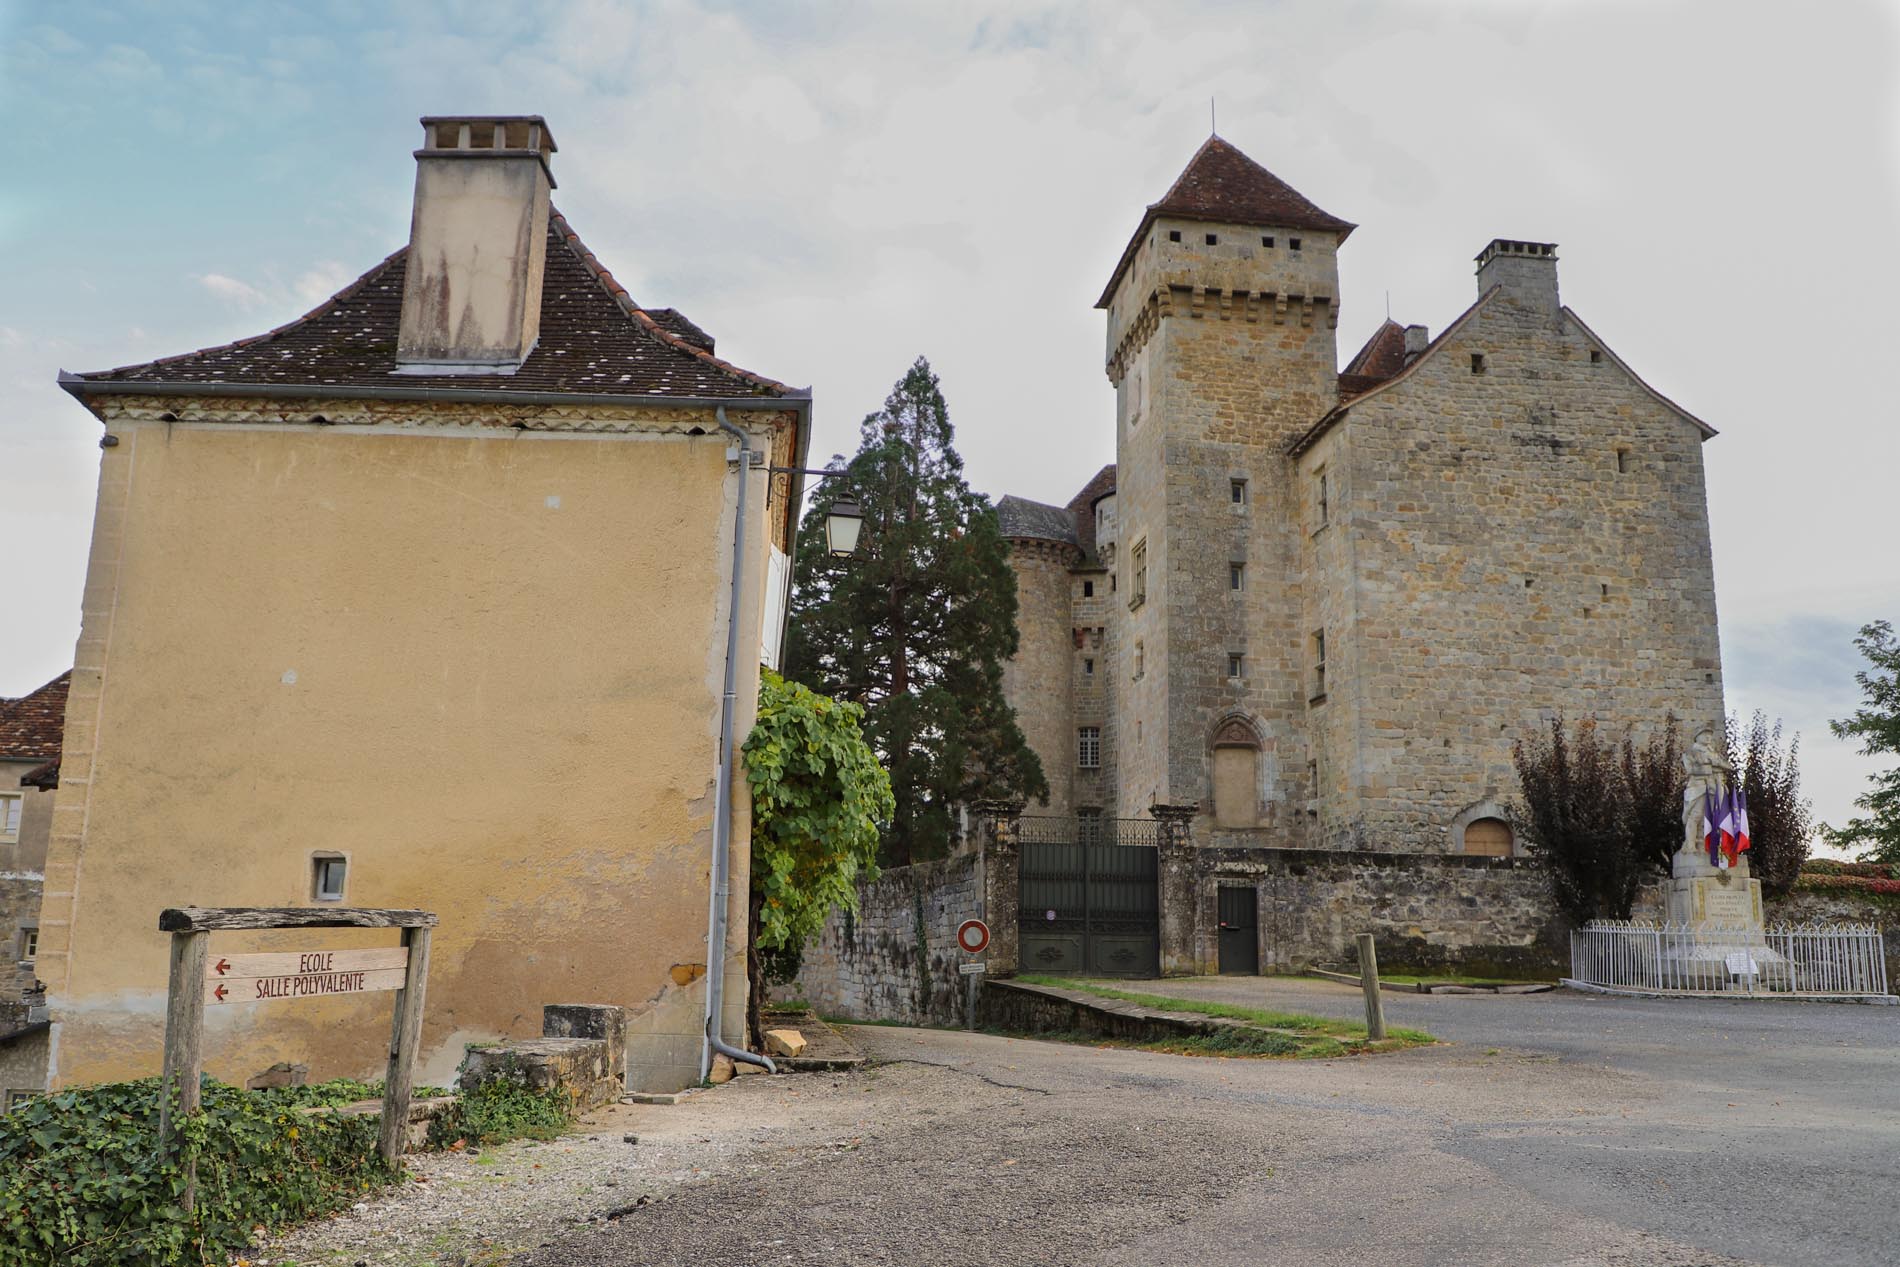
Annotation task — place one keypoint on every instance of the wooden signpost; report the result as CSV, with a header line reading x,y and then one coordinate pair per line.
x,y
198,979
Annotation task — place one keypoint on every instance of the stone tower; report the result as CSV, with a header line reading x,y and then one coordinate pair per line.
x,y
1221,347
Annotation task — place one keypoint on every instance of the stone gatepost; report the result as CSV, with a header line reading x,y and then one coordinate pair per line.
x,y
1002,881
1178,878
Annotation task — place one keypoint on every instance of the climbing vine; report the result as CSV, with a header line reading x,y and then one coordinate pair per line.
x,y
819,802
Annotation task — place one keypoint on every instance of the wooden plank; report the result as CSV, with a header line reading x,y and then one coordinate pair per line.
x,y
179,919
1369,981
184,1040
293,962
404,1036
300,985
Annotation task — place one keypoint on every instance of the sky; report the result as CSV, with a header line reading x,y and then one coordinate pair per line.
x,y
833,189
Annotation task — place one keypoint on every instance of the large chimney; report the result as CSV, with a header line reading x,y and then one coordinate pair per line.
x,y
1526,270
471,294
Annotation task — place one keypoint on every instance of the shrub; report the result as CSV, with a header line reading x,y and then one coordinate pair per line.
x,y
1829,866
1836,882
1780,823
1599,817
82,1184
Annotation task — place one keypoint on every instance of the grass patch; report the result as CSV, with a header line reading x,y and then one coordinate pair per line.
x,y
1346,1036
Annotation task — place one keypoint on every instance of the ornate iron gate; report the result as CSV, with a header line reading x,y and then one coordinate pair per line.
x,y
1089,896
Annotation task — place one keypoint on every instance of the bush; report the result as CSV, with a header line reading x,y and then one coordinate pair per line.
x,y
1599,817
1828,866
1837,882
82,1184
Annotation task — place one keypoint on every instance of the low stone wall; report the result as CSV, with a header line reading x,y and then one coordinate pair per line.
x,y
895,958
1822,906
583,1051
1429,912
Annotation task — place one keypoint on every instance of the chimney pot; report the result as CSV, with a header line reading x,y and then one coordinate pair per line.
x,y
471,297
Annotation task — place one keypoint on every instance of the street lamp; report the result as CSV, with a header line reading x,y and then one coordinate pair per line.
x,y
841,528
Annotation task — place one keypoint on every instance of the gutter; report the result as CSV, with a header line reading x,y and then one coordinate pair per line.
x,y
79,387
722,789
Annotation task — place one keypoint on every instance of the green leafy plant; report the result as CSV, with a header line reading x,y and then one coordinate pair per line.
x,y
502,1109
819,802
1877,726
82,1182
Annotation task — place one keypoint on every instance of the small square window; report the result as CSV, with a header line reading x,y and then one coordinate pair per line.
x,y
1237,492
1236,576
327,876
1088,589
1236,663
1477,362
1292,244
1213,239
1267,242
1596,356
29,944
1174,235
10,806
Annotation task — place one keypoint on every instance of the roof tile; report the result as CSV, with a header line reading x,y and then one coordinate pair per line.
x,y
32,725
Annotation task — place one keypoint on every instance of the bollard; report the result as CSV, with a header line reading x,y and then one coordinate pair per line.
x,y
1369,979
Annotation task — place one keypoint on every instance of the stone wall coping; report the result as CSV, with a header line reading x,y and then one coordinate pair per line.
x,y
1234,855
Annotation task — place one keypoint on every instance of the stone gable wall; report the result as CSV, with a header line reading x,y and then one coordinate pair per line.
x,y
1494,565
1037,679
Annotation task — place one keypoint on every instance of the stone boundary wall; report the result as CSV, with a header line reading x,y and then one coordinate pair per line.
x,y
896,958
1426,911
1812,906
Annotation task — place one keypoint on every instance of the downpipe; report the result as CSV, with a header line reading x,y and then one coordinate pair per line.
x,y
722,787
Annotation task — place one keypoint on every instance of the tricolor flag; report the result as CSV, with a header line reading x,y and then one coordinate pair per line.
x,y
1737,841
1713,813
1725,827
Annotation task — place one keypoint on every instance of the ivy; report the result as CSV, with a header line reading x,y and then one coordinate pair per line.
x,y
82,1182
819,802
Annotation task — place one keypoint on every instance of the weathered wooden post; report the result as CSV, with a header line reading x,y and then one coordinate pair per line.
x,y
184,1043
405,1033
1369,980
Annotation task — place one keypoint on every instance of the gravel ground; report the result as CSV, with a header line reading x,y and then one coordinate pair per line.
x,y
1554,1129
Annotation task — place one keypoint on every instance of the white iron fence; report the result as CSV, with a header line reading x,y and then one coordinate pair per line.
x,y
1831,959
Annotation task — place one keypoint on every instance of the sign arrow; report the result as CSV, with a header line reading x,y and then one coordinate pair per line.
x,y
223,966
220,992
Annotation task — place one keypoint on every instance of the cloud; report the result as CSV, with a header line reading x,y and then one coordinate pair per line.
x,y
230,289
321,280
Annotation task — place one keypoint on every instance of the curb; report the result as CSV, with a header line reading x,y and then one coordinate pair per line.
x,y
1737,996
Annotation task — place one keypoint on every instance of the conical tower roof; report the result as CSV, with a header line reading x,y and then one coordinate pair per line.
x,y
1222,184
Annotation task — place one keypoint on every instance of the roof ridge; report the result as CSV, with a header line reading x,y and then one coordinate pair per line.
x,y
642,318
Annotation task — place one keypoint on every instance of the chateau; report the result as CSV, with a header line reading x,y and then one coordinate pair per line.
x,y
1317,605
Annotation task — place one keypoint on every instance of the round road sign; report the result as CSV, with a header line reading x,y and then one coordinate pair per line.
x,y
973,936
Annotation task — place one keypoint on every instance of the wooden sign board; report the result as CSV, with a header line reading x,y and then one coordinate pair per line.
x,y
303,985
296,963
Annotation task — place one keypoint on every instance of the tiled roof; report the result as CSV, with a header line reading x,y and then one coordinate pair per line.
x,y
1082,507
31,726
1035,521
1381,358
1222,184
594,340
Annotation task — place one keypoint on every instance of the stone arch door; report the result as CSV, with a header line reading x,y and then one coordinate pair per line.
x,y
1488,838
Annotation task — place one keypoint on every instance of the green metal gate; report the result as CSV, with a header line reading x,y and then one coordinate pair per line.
x,y
1089,896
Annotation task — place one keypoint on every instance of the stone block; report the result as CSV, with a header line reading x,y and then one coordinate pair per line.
x,y
602,1021
579,1066
722,1070
784,1042
281,1074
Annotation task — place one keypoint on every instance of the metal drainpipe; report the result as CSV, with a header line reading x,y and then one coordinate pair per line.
x,y
722,788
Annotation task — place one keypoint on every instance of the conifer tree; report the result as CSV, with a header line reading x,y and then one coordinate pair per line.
x,y
916,625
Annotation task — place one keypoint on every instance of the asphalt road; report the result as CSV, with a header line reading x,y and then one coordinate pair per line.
x,y
1559,1129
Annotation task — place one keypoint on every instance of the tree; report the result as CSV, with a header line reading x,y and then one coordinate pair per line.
x,y
1877,726
819,801
917,624
1780,822
1600,817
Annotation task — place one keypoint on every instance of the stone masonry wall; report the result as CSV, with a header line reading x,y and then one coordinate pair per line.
x,y
1428,912
896,958
1036,680
1510,538
22,866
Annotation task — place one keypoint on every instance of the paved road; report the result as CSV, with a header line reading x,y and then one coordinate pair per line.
x,y
1556,1129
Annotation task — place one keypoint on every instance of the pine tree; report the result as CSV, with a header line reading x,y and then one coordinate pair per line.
x,y
916,625
1877,726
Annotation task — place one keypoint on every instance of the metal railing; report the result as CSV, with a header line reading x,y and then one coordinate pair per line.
x,y
1808,959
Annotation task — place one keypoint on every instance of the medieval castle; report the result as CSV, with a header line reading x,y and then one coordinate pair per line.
x,y
1317,605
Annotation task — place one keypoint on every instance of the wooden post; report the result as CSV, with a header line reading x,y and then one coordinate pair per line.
x,y
405,1035
1369,979
184,1042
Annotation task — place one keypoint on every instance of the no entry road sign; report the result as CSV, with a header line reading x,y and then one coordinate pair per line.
x,y
973,936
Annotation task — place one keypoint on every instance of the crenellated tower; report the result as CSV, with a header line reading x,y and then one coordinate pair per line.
x,y
1221,346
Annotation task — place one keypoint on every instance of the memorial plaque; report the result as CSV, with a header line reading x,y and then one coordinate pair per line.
x,y
1726,904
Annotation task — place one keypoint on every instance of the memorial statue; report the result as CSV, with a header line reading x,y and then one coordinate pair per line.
x,y
1709,776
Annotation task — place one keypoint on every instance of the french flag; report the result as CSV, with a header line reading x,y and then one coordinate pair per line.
x,y
1735,840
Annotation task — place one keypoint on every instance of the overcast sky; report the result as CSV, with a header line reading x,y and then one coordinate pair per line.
x,y
832,189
